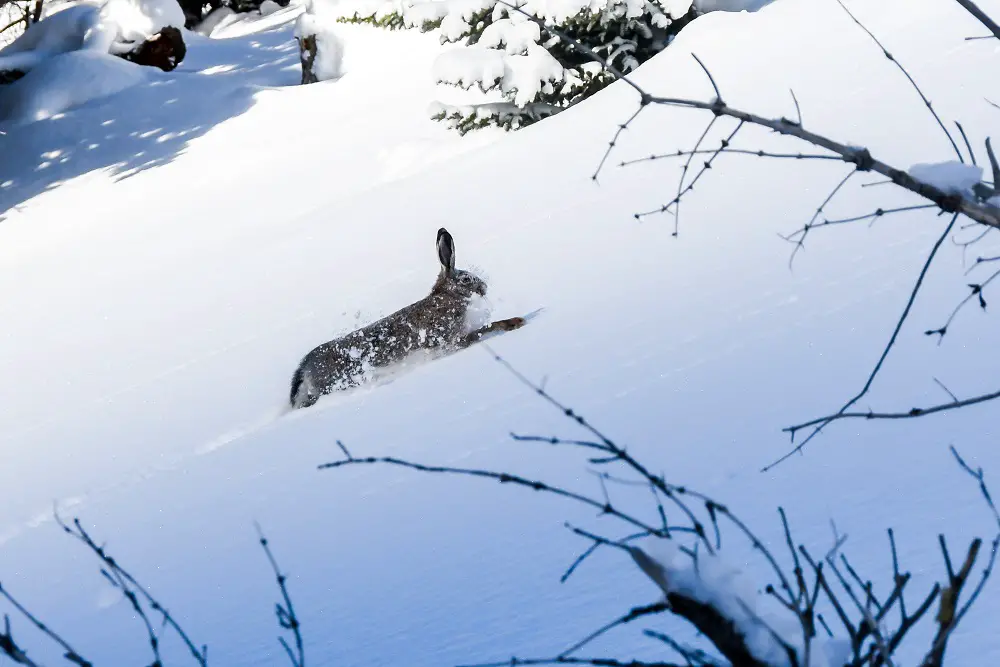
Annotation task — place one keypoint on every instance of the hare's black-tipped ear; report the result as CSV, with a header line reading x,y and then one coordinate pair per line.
x,y
446,250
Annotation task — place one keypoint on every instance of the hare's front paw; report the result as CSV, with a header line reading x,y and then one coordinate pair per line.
x,y
510,324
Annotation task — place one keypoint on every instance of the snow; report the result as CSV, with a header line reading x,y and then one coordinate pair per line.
x,y
469,66
731,5
58,33
169,253
457,15
952,177
114,26
478,65
65,81
515,36
95,27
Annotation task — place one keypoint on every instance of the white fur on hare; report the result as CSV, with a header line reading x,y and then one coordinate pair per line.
x,y
450,318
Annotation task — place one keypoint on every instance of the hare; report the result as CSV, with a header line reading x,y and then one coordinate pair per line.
x,y
436,322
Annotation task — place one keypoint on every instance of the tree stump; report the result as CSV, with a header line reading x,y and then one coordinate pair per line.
x,y
307,54
165,49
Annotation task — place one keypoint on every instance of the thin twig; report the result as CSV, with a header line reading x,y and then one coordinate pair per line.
x,y
981,16
286,614
6,641
821,423
77,531
909,78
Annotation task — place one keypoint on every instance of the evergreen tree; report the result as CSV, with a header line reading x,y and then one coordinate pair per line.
x,y
523,72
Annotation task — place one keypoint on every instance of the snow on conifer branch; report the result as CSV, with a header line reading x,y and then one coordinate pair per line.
x,y
516,54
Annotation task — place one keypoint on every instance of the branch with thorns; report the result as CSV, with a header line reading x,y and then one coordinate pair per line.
x,y
812,584
136,594
977,204
285,611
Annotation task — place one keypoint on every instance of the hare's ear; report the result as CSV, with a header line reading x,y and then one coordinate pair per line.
x,y
446,251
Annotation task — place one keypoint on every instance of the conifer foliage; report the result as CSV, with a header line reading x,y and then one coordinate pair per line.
x,y
515,71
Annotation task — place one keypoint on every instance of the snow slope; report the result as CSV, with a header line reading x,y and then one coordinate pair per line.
x,y
212,225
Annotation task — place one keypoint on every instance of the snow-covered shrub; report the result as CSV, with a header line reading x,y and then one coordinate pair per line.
x,y
523,71
320,50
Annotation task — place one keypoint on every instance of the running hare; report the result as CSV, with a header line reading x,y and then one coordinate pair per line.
x,y
436,322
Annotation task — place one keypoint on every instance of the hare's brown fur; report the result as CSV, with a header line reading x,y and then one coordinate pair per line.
x,y
436,321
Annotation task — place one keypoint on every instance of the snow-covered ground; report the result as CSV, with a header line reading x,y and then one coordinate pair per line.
x,y
169,253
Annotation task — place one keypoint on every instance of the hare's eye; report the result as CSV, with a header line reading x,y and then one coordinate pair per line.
x,y
465,280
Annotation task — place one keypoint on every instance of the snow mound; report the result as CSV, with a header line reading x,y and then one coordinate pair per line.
x,y
114,26
64,81
137,20
61,32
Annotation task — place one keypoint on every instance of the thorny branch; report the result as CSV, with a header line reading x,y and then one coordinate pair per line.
x,y
866,617
286,612
12,650
981,16
820,424
977,205
134,592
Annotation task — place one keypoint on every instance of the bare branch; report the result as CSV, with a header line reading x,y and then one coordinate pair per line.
x,y
821,423
10,649
976,292
981,16
705,167
911,414
286,614
597,662
909,78
737,151
502,477
115,573
628,617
